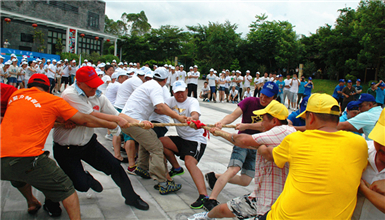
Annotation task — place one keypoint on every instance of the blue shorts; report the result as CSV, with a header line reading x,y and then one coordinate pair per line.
x,y
221,88
125,136
12,80
245,159
213,89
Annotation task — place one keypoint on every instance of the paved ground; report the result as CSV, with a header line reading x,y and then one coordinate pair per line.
x,y
109,204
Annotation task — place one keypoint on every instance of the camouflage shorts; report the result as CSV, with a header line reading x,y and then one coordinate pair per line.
x,y
243,207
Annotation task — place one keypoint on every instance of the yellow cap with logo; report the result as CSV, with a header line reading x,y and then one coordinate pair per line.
x,y
275,109
321,103
378,132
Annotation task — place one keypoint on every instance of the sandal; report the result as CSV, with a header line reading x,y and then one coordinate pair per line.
x,y
125,160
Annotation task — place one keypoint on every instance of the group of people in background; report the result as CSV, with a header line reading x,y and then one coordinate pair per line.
x,y
298,175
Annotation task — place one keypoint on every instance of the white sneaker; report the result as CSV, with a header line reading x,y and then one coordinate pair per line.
x,y
109,137
200,216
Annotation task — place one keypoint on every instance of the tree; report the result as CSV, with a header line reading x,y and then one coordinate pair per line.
x,y
117,28
137,23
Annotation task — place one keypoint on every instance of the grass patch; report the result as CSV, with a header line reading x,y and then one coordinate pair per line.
x,y
328,86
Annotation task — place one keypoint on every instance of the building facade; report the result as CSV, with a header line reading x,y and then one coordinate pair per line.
x,y
50,26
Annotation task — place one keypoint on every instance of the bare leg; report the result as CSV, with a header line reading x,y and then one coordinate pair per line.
x,y
221,211
242,180
196,174
26,191
131,151
71,204
222,181
169,150
116,142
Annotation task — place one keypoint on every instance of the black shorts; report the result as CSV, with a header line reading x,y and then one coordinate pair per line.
x,y
65,80
185,147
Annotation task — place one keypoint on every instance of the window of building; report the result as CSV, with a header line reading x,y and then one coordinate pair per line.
x,y
88,44
25,48
93,20
26,38
54,38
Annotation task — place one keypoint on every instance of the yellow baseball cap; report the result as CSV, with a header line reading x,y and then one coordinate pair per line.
x,y
320,103
378,132
275,109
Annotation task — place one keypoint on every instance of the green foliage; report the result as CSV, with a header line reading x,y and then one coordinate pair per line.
x,y
117,28
137,23
59,46
38,37
351,77
235,65
309,68
95,57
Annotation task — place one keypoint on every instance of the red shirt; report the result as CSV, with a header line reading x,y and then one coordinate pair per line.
x,y
6,92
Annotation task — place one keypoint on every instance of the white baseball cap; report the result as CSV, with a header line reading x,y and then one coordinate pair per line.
x,y
108,63
173,67
89,64
247,71
134,64
65,60
165,65
24,63
85,60
54,60
257,73
149,74
114,61
140,72
14,60
179,86
131,64
211,70
8,62
215,72
161,73
74,61
1,57
191,68
48,60
125,63
59,62
122,73
181,66
114,75
101,65
195,66
13,55
119,64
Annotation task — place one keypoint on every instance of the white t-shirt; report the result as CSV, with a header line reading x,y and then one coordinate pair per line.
x,y
240,83
194,80
264,79
105,79
234,93
46,68
185,108
247,94
13,71
81,135
59,71
66,71
256,81
161,118
287,83
205,90
125,91
40,70
271,79
223,80
294,86
364,208
22,74
141,104
211,79
73,70
111,91
51,74
172,78
28,73
247,82
181,75
228,81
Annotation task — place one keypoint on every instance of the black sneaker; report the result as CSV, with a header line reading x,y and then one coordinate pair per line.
x,y
211,179
210,204
53,208
95,185
170,187
173,172
143,173
138,203
198,204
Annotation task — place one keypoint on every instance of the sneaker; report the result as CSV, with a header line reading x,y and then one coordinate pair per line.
x,y
53,208
198,204
200,216
207,100
209,204
170,187
131,170
173,172
156,186
109,137
233,102
143,173
215,101
211,179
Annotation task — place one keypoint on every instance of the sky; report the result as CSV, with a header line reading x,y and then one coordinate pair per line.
x,y
306,16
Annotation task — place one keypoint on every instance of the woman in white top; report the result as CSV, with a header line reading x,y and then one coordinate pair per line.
x,y
222,82
40,68
20,76
30,70
59,73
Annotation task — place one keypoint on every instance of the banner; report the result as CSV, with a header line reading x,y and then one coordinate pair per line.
x,y
72,40
6,53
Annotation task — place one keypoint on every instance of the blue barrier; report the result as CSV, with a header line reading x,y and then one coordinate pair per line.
x,y
6,53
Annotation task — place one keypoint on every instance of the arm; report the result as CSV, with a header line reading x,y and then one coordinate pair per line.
x,y
375,198
266,152
347,127
251,126
91,121
122,122
240,140
164,109
229,118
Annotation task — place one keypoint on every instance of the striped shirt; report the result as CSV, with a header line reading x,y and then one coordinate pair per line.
x,y
269,179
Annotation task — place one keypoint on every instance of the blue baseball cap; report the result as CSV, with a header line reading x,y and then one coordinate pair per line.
x,y
270,89
366,98
310,78
353,105
373,83
341,80
349,81
358,80
382,84
303,104
280,75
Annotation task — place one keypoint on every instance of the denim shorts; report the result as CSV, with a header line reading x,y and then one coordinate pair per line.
x,y
221,88
213,89
125,136
245,159
12,80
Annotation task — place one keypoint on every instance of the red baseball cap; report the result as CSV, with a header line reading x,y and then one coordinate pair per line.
x,y
88,75
39,78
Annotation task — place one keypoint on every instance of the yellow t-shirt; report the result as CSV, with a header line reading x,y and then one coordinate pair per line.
x,y
324,174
